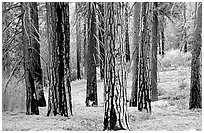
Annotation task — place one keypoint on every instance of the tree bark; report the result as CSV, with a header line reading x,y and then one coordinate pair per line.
x,y
31,97
35,55
127,44
134,93
154,53
115,81
101,39
78,41
195,87
91,90
59,38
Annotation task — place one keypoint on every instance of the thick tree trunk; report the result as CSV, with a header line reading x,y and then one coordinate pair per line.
x,y
35,55
134,93
115,82
154,54
58,31
31,101
195,87
91,90
101,40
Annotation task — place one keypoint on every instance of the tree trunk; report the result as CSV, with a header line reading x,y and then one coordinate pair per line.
x,y
78,41
35,55
101,39
85,47
91,90
59,38
162,42
195,87
115,82
31,100
127,44
185,48
134,93
154,53
144,90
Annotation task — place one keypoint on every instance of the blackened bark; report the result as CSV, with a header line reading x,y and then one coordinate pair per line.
x,y
134,93
91,90
195,87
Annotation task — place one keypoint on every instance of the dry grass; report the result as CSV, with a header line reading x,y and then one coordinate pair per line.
x,y
169,113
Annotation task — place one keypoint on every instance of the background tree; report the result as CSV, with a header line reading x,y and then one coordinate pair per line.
x,y
91,90
115,82
195,87
78,39
58,33
31,97
101,38
127,46
135,56
154,53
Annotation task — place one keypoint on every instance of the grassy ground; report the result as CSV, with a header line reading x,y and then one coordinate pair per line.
x,y
169,113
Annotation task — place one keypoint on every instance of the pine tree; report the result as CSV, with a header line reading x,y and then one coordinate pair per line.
x,y
31,97
154,53
59,39
195,87
134,93
35,55
115,82
91,90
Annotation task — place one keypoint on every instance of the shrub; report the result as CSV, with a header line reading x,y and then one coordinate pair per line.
x,y
174,58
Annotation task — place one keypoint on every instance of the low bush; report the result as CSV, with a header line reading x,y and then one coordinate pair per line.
x,y
174,58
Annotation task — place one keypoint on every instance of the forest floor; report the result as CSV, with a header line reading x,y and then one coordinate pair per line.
x,y
170,113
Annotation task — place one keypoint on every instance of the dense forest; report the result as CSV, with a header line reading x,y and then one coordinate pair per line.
x,y
101,66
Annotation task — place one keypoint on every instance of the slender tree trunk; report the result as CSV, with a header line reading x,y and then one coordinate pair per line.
x,y
134,93
101,40
162,42
78,41
127,46
35,55
31,101
91,90
184,30
195,87
85,47
144,90
154,54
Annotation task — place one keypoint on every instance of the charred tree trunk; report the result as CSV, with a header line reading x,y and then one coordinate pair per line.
x,y
115,82
154,53
134,93
195,87
35,55
31,98
91,90
59,34
101,39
